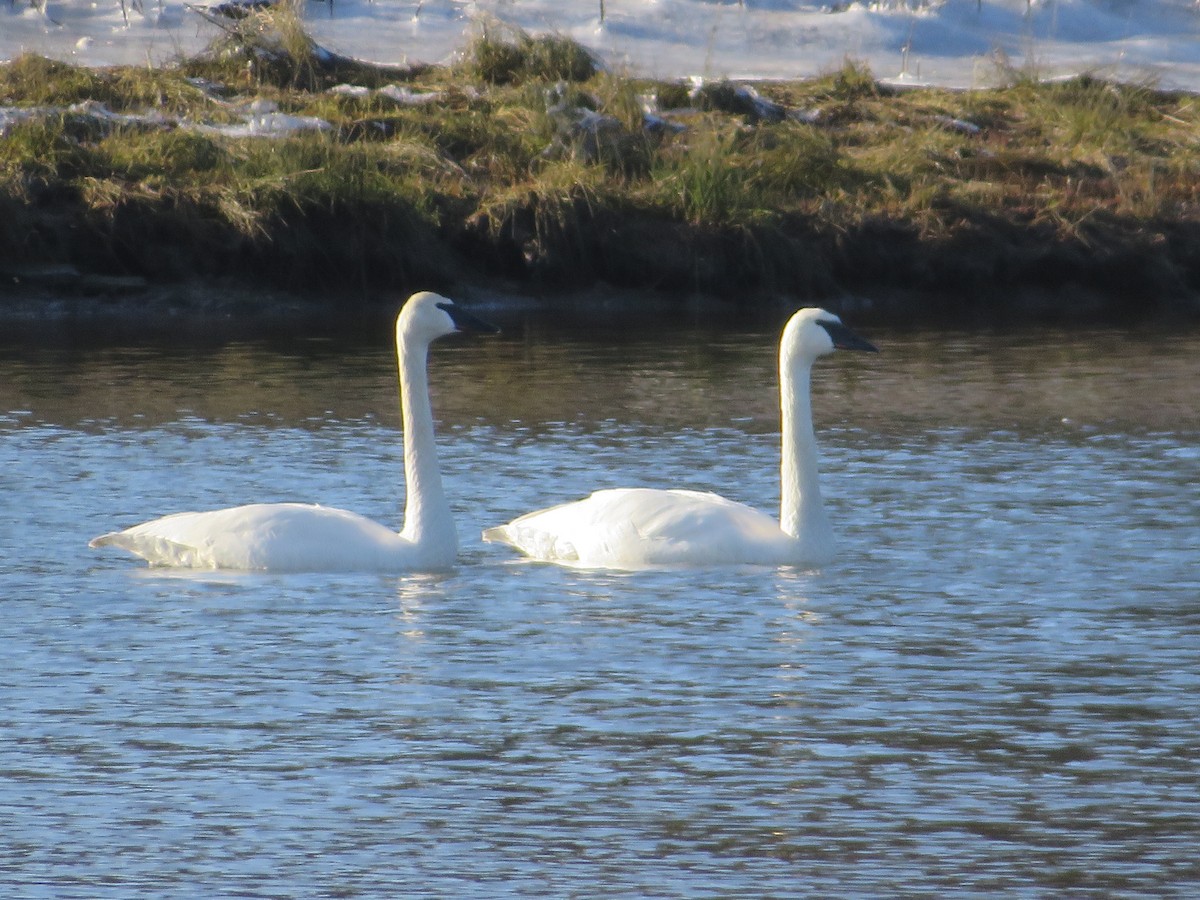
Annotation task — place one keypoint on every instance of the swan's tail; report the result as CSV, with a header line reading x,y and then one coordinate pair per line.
x,y
157,551
497,535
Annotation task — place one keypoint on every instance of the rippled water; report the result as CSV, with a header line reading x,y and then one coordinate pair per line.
x,y
994,690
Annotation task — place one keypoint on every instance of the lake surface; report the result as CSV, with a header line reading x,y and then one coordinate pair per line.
x,y
994,690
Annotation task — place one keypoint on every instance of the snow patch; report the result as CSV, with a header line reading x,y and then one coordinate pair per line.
x,y
954,43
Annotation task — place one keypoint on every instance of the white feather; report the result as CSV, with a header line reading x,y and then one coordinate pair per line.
x,y
289,537
633,528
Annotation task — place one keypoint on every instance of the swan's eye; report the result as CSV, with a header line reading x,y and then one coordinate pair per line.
x,y
831,327
845,339
464,321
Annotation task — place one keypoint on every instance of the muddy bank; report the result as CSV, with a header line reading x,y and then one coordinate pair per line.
x,y
994,271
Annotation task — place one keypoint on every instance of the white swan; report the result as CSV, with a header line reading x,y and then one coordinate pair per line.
x,y
301,537
633,528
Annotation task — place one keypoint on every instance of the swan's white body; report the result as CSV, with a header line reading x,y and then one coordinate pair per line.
x,y
278,537
292,537
633,528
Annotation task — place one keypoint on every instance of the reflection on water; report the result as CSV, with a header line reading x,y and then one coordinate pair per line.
x,y
654,372
992,691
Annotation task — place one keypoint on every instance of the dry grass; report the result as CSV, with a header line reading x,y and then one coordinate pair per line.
x,y
395,192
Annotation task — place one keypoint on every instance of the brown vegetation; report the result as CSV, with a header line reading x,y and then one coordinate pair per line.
x,y
530,164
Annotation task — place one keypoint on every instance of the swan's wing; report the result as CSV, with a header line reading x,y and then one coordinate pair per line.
x,y
274,536
633,528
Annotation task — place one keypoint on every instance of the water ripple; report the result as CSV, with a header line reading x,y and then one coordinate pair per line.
x,y
992,691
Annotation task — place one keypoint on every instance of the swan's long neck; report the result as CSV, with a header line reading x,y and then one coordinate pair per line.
x,y
427,516
801,512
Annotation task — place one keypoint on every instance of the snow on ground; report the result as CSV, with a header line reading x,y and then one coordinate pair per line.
x,y
948,42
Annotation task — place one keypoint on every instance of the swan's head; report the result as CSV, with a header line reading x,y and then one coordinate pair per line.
x,y
812,333
427,316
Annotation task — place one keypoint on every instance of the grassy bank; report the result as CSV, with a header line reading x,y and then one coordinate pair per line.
x,y
528,165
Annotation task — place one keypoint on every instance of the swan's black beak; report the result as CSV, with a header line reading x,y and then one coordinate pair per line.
x,y
845,339
464,321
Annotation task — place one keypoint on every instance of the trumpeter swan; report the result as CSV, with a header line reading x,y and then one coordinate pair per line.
x,y
301,537
632,528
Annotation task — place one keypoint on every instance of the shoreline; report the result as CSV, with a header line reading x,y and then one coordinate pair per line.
x,y
528,172
211,313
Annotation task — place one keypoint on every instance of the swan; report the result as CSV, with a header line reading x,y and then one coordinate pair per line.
x,y
635,528
293,537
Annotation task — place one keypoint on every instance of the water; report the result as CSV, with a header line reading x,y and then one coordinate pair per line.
x,y
994,690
